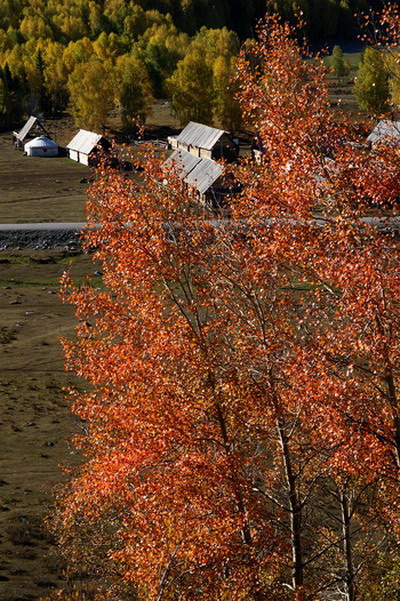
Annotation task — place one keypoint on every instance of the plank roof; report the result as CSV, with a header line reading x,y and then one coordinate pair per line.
x,y
182,162
204,175
200,136
84,141
385,131
32,122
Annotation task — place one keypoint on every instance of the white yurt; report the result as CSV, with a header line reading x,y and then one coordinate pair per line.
x,y
41,147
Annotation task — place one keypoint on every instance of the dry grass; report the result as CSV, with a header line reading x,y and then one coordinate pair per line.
x,y
34,189
34,420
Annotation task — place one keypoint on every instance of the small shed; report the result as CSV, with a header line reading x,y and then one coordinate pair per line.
x,y
206,142
87,147
386,131
32,128
41,147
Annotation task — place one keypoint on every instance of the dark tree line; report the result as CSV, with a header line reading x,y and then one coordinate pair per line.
x,y
12,92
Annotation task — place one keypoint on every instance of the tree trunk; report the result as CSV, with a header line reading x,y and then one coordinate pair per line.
x,y
246,536
389,379
392,395
295,511
351,592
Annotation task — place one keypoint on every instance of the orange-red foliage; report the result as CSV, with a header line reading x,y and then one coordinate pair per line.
x,y
242,371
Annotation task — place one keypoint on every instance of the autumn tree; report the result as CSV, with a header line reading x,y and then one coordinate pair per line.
x,y
69,19
241,421
386,33
108,47
92,93
135,93
55,76
77,52
371,87
190,89
135,24
116,12
35,27
160,47
227,111
202,88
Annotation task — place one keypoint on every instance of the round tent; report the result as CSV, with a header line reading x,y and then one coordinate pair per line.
x,y
41,147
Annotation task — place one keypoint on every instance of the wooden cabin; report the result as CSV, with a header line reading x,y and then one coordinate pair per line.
x,y
204,141
87,147
203,176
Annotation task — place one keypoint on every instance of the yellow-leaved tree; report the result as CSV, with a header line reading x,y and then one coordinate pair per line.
x,y
91,87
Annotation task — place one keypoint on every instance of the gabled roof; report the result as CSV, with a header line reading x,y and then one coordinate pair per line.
x,y
204,175
182,162
32,122
84,141
200,136
385,130
200,173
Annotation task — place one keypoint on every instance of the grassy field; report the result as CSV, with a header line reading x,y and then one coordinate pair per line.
x,y
34,189
35,422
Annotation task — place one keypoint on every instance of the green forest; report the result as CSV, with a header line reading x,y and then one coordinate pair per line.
x,y
92,56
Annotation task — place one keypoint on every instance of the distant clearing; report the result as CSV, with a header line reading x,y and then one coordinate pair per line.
x,y
34,189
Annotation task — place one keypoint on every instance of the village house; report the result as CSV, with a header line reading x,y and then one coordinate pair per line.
x,y
205,142
87,147
182,162
203,176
